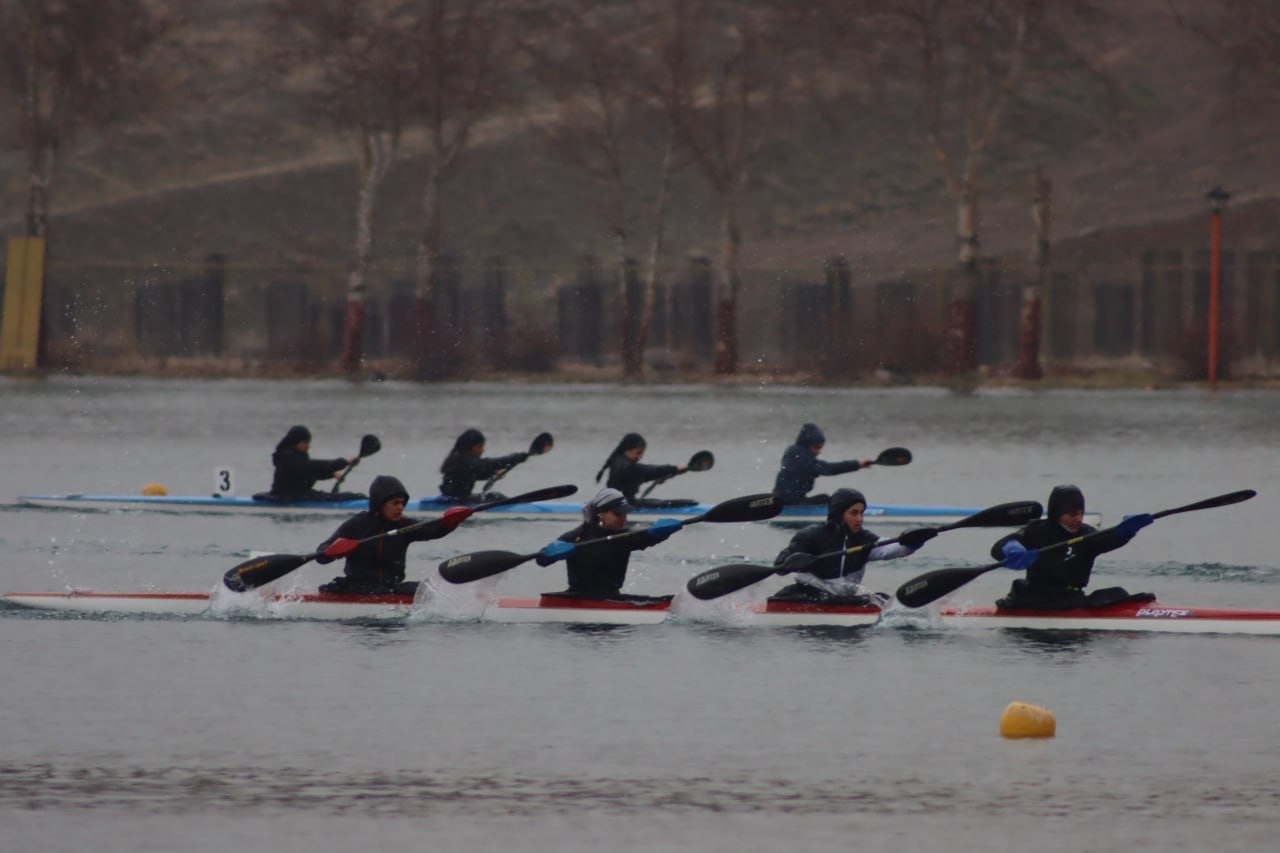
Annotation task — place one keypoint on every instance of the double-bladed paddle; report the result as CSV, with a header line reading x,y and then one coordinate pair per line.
x,y
931,586
261,571
700,461
541,443
482,564
369,445
723,580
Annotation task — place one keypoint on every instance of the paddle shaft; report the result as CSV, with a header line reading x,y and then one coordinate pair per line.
x,y
263,570
701,454
369,445
540,445
466,568
931,586
724,580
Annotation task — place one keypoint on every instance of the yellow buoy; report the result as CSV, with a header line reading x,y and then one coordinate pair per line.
x,y
1023,720
154,489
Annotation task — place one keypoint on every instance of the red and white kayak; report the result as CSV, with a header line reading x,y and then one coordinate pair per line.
x,y
1145,617
317,605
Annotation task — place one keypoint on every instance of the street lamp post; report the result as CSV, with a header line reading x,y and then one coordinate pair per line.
x,y
1217,201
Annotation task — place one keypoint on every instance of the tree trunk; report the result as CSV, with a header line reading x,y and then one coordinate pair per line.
x,y
40,175
726,297
427,352
962,320
1028,366
375,160
655,256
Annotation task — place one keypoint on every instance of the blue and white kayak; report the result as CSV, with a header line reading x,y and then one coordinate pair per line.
x,y
1132,617
435,505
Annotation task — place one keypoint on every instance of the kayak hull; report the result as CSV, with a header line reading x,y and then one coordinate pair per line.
x,y
1144,617
432,506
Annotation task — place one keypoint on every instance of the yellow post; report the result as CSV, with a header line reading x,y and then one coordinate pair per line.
x,y
24,286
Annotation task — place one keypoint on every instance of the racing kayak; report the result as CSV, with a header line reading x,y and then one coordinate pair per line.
x,y
435,505
1143,617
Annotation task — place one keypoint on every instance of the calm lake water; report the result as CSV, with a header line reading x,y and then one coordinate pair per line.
x,y
215,734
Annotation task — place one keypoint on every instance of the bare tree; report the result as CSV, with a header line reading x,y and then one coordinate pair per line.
x,y
460,61
346,60
71,66
609,122
1248,34
963,68
718,73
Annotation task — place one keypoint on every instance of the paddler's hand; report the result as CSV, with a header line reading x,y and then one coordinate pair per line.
x,y
798,562
1018,556
915,539
662,529
453,516
340,547
1131,524
555,551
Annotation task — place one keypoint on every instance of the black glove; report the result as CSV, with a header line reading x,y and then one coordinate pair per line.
x,y
914,539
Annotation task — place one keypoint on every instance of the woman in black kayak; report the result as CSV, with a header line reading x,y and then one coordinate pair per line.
x,y
379,566
296,472
627,473
1056,578
466,464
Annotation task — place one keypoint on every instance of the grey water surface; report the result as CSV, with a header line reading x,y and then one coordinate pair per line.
x,y
215,734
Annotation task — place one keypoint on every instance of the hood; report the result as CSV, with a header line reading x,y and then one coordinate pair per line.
x,y
841,500
810,435
384,488
470,438
605,499
1064,499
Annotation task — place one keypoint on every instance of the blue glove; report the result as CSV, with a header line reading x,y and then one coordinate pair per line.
x,y
1017,556
555,551
661,529
1131,524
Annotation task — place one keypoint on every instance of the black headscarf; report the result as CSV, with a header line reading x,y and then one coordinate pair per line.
x,y
630,441
295,434
470,438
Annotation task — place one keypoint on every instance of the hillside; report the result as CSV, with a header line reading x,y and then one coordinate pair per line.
x,y
236,170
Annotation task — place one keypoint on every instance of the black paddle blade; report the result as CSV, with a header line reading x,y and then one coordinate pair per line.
x,y
261,571
746,508
714,583
541,443
369,445
931,586
701,461
894,456
1013,514
465,568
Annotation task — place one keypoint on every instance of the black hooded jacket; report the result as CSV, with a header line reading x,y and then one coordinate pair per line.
x,y
379,566
296,472
601,570
461,469
832,535
627,476
1062,569
801,468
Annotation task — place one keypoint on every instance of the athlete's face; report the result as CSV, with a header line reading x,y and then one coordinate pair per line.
x,y
635,454
1072,520
612,520
853,517
393,510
